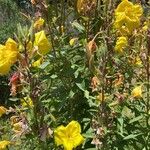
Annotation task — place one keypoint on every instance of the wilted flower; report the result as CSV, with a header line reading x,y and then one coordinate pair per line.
x,y
137,92
95,82
14,83
70,136
86,6
97,143
14,119
121,44
127,17
3,110
4,144
42,43
119,80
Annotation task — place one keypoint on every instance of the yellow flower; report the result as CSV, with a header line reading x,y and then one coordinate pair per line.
x,y
138,61
42,43
72,41
14,119
69,136
3,110
121,44
37,63
4,144
39,23
146,24
11,45
137,92
26,102
128,15
8,56
17,127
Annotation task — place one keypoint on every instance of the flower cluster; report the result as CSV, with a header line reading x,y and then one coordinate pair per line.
x,y
10,51
127,17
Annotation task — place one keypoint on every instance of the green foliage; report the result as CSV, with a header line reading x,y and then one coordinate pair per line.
x,y
9,17
82,78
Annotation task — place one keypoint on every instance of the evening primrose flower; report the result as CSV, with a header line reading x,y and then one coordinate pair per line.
x,y
69,136
127,15
121,44
8,56
137,92
3,110
4,144
42,43
39,23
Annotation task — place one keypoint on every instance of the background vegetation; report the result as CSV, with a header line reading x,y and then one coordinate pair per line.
x,y
82,78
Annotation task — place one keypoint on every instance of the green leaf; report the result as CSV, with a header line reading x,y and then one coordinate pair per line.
x,y
71,94
44,65
14,99
136,119
78,26
81,86
86,94
131,136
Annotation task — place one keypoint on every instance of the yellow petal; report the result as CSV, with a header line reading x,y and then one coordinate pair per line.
x,y
60,135
4,144
3,110
11,45
41,41
137,92
121,44
39,23
37,63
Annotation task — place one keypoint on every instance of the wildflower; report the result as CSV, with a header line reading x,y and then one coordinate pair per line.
x,y
42,43
4,144
3,110
138,61
26,102
37,63
69,136
121,44
73,41
39,23
14,119
8,56
137,92
20,128
127,16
